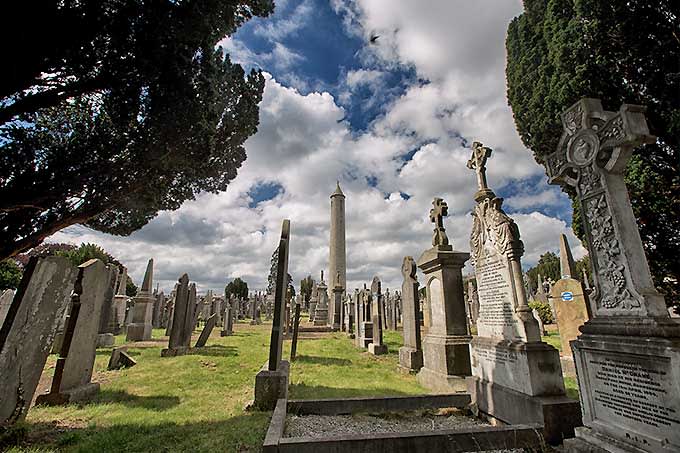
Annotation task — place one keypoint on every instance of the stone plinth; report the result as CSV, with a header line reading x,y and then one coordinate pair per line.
x,y
446,347
366,334
410,359
270,385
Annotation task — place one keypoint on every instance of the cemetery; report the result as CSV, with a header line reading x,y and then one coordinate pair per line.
x,y
441,324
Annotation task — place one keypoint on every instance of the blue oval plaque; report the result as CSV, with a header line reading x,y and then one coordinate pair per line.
x,y
567,295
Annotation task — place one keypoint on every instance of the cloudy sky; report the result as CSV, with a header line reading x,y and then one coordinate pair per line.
x,y
385,97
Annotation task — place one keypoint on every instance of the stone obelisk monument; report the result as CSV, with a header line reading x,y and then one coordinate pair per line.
x,y
337,267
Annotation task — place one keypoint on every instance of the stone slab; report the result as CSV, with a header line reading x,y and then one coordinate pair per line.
x,y
569,301
441,383
105,340
410,359
74,395
377,349
378,404
271,385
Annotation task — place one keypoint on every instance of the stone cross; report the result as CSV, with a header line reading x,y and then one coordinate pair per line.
x,y
437,213
477,162
591,156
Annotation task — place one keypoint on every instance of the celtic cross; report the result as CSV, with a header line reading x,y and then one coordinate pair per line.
x,y
477,162
439,210
591,156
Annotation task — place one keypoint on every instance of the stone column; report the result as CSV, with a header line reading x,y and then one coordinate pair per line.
x,y
337,304
140,328
337,267
411,354
627,356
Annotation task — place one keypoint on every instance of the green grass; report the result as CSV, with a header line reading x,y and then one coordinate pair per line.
x,y
553,339
195,402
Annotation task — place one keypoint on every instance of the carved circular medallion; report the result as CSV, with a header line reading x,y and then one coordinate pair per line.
x,y
583,148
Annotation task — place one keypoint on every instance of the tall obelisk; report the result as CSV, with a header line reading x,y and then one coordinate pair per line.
x,y
337,266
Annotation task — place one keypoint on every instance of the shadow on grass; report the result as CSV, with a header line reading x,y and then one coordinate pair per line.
x,y
156,403
303,391
242,433
322,360
215,350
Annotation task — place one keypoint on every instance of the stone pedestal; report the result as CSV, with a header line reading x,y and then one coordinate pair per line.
x,y
446,347
271,385
366,334
410,359
105,340
321,310
377,349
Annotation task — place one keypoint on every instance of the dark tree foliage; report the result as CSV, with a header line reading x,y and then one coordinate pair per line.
x,y
86,252
306,285
45,249
238,288
548,267
10,274
113,110
562,50
271,278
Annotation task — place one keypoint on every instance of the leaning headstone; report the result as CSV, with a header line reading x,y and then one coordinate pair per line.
x,y
271,383
207,330
569,299
446,347
517,377
27,334
5,302
411,354
377,347
72,381
120,359
140,327
182,319
627,356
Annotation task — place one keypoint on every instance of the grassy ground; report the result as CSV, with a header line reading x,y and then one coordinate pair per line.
x,y
196,402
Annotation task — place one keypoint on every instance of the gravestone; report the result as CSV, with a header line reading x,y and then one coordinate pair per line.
x,y
627,356
254,312
120,300
321,311
207,330
296,327
182,319
312,302
271,383
537,316
337,304
158,306
377,347
140,327
228,322
446,346
73,371
569,300
107,321
27,334
5,302
517,377
358,319
411,354
120,359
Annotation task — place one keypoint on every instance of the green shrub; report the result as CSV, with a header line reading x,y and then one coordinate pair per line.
x,y
543,310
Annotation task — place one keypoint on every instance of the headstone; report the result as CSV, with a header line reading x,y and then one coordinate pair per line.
x,y
120,300
627,356
120,359
5,302
182,319
73,371
446,346
27,334
411,354
312,302
296,326
271,383
140,327
228,324
569,300
107,322
321,311
254,312
158,306
517,377
377,347
337,303
207,330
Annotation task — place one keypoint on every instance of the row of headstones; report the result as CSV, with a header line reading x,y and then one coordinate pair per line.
x,y
627,354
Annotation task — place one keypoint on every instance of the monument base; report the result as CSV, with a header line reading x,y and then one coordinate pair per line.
x,y
410,359
588,442
83,393
558,414
105,340
447,355
377,349
138,332
174,352
271,385
225,333
321,316
441,383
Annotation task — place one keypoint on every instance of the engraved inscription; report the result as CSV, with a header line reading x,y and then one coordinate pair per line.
x,y
496,311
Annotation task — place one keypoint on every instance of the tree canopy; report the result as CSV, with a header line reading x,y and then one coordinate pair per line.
x,y
306,285
559,51
10,274
238,288
111,111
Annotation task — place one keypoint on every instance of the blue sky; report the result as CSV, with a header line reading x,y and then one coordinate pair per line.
x,y
392,118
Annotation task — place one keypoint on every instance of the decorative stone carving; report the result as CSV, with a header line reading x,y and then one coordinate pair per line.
x,y
437,213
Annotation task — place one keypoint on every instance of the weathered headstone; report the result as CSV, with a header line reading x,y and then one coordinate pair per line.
x,y
321,311
120,300
517,377
73,371
271,383
337,291
182,319
27,334
120,359
411,354
5,302
296,327
158,306
628,354
207,330
446,346
228,322
107,321
140,327
377,347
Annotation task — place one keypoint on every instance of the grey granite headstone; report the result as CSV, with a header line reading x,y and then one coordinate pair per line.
x,y
27,334
182,320
207,330
411,354
377,347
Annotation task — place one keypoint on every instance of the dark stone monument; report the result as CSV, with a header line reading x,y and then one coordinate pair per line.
x,y
120,359
182,319
411,354
207,330
377,347
296,327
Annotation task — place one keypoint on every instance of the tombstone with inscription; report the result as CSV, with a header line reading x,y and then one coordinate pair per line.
x,y
569,299
627,356
377,347
446,346
411,354
517,377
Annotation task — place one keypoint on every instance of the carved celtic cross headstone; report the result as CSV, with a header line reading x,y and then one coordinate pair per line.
x,y
591,156
477,162
437,213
